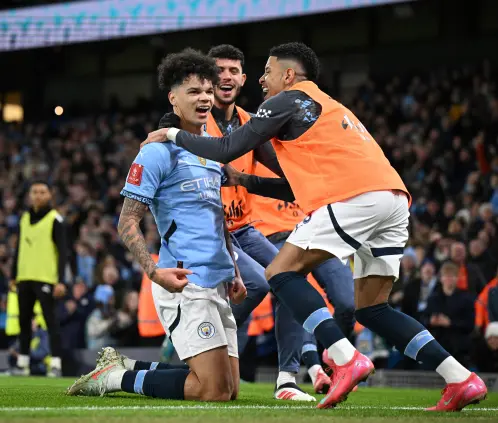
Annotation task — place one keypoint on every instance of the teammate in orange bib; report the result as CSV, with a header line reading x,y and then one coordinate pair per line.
x,y
254,252
236,204
356,203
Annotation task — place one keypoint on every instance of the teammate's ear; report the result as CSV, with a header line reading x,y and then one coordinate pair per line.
x,y
244,77
289,75
172,98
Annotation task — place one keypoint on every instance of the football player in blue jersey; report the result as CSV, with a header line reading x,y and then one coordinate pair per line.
x,y
196,276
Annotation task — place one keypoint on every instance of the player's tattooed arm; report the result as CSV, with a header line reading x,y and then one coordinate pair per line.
x,y
129,231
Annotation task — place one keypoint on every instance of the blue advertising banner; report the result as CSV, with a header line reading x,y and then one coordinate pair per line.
x,y
87,21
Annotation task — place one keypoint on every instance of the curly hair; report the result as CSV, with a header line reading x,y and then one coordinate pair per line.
x,y
227,51
175,68
302,54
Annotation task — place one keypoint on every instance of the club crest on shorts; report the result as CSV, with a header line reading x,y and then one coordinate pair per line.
x,y
206,330
202,160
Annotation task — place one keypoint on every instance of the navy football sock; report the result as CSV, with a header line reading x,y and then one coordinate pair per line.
x,y
156,365
167,384
404,332
307,306
309,355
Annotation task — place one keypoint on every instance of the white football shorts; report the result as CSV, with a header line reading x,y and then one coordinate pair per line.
x,y
197,319
372,226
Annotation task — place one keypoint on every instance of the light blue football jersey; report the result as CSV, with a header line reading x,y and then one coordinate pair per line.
x,y
183,193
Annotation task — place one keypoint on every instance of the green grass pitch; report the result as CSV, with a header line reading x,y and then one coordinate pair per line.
x,y
42,399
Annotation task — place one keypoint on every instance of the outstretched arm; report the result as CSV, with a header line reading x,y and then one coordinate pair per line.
x,y
278,188
265,125
265,154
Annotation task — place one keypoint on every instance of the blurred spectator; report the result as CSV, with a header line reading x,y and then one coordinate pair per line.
x,y
486,350
470,277
3,321
126,329
102,320
493,304
407,275
85,263
39,352
450,315
110,275
73,313
482,306
481,257
418,291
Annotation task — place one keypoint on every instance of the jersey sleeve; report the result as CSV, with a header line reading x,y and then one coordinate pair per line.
x,y
265,125
265,154
152,164
278,188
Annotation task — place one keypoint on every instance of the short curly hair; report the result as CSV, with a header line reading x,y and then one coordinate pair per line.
x,y
227,51
175,68
302,54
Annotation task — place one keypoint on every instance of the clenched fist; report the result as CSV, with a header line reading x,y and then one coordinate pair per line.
x,y
237,291
171,279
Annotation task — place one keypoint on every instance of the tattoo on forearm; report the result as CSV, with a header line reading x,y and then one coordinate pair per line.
x,y
129,230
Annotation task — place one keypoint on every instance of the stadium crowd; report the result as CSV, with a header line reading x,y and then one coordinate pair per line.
x,y
439,130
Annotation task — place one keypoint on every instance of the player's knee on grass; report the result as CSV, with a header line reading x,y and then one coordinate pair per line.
x,y
218,389
235,393
234,364
208,390
214,375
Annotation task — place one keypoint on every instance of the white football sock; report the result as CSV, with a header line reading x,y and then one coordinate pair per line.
x,y
452,371
114,381
285,377
341,352
23,361
313,372
55,363
129,363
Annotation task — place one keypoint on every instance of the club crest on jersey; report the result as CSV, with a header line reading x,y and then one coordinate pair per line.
x,y
206,330
202,160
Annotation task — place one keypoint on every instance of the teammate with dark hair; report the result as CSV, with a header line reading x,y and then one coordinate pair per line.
x,y
254,252
243,226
